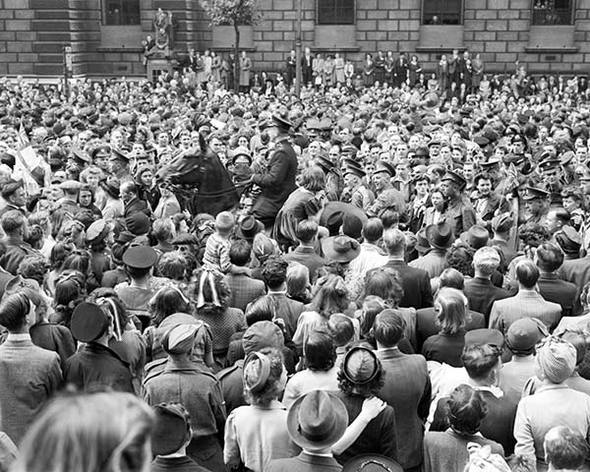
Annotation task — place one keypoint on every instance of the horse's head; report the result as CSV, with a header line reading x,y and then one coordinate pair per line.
x,y
187,162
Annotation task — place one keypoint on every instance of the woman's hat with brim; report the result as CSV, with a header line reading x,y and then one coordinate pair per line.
x,y
360,365
317,420
372,463
341,248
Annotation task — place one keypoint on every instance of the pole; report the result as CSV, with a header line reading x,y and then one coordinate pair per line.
x,y
298,71
67,70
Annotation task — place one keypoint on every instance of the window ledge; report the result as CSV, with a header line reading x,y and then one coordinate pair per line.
x,y
231,49
549,50
119,49
440,48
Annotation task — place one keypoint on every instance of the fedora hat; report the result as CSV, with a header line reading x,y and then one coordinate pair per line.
x,y
341,248
249,227
477,236
440,235
317,420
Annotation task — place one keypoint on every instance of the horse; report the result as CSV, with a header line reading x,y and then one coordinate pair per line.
x,y
204,172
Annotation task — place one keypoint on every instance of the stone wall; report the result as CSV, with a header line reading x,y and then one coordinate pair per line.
x,y
34,32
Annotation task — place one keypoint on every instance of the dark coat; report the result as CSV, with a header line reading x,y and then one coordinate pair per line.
x,y
576,271
53,337
277,182
378,437
482,294
136,205
497,425
16,251
426,323
95,365
232,386
553,289
407,389
445,348
416,284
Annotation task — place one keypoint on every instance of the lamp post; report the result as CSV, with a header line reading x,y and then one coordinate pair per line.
x,y
298,71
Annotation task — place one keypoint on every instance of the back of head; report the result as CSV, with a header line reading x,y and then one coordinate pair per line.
x,y
274,272
240,252
486,260
467,408
394,241
163,230
100,431
549,257
480,359
319,351
527,273
261,309
12,221
384,282
13,311
373,230
452,278
388,328
578,340
306,231
298,280
450,305
565,449
341,328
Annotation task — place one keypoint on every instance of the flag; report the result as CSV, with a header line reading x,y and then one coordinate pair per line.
x,y
27,160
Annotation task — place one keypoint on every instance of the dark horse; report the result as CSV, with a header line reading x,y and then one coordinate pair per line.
x,y
200,182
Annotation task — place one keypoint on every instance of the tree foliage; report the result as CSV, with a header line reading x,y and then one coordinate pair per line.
x,y
232,12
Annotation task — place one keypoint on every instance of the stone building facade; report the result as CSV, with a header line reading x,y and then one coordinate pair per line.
x,y
33,33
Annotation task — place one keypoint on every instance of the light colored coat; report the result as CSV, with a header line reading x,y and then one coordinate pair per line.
x,y
525,304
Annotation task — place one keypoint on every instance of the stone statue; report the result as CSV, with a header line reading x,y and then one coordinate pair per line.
x,y
163,31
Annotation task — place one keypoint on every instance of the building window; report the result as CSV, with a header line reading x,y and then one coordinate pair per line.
x,y
442,12
121,12
552,12
336,12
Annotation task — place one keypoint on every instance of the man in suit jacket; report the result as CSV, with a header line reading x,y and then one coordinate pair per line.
x,y
549,259
243,288
416,282
407,387
527,303
29,375
14,226
305,253
277,181
480,291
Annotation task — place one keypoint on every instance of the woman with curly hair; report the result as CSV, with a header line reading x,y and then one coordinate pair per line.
x,y
319,360
329,296
360,378
257,433
210,294
450,306
70,291
168,306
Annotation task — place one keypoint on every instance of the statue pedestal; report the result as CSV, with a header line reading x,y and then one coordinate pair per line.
x,y
155,67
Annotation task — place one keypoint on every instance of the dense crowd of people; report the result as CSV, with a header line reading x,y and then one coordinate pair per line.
x,y
389,278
